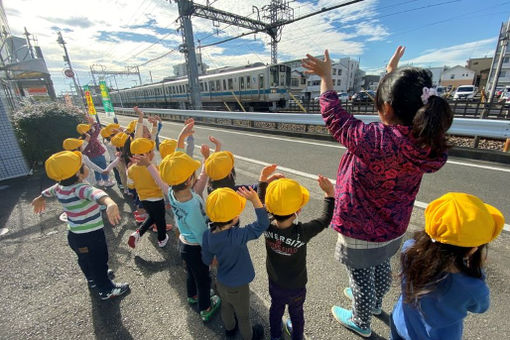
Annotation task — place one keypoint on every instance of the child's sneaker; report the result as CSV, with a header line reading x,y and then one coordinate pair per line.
x,y
121,187
118,290
140,218
134,238
287,326
208,313
168,227
344,316
258,332
348,294
109,184
192,300
63,217
163,243
109,273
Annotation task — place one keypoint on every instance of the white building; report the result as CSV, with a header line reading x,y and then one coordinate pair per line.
x,y
436,74
181,70
346,76
457,76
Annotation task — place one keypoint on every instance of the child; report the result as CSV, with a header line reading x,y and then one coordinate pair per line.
x,y
107,133
220,170
286,241
184,193
442,269
75,144
94,150
118,141
379,176
81,203
149,193
228,243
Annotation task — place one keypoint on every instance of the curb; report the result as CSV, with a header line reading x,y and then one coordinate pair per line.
x,y
484,155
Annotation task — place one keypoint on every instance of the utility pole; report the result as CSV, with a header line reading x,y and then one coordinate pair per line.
x,y
277,13
503,43
188,49
29,43
79,91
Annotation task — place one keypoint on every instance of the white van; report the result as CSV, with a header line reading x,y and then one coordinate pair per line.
x,y
465,92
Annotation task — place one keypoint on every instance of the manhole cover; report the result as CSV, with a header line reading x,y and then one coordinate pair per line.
x,y
3,231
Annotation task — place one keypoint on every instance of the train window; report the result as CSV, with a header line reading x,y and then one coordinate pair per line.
x,y
224,84
261,81
205,86
218,85
211,86
201,87
275,76
282,68
241,82
248,84
230,84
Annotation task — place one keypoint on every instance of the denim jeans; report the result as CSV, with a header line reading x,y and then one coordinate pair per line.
x,y
100,161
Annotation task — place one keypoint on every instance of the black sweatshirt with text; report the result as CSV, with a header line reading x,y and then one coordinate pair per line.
x,y
286,248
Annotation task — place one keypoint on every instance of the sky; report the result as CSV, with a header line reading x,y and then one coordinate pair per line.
x,y
120,33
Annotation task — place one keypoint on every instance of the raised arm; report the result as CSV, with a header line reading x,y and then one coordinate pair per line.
x,y
317,225
322,68
254,230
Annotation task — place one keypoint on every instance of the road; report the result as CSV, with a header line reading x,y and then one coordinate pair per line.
x,y
44,296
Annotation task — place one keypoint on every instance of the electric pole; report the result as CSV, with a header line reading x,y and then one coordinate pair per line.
x,y
79,91
502,43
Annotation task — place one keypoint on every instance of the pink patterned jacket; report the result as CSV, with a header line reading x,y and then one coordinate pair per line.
x,y
94,147
379,175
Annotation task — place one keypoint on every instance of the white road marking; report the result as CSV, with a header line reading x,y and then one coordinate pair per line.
x,y
419,204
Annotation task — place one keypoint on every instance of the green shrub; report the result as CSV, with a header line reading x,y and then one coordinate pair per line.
x,y
42,127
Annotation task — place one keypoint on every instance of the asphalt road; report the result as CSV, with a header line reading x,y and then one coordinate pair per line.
x,y
44,294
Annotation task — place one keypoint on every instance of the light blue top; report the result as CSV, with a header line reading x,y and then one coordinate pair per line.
x,y
190,217
441,313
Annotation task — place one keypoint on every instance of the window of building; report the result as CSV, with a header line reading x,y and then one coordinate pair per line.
x,y
303,80
339,82
309,83
502,74
294,82
506,59
334,71
316,82
452,76
340,72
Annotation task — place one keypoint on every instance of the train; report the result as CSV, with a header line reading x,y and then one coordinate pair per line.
x,y
257,87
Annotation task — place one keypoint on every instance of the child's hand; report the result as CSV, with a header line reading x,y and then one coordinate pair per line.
x,y
90,120
216,142
142,160
250,195
214,262
112,212
189,120
105,172
205,151
87,137
322,68
187,130
139,112
157,118
275,176
266,171
39,204
326,186
393,64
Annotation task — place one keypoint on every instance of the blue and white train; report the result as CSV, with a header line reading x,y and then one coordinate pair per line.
x,y
258,87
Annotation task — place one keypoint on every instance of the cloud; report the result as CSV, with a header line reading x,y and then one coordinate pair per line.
x,y
81,22
454,55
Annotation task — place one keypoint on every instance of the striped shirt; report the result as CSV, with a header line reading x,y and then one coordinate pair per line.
x,y
80,202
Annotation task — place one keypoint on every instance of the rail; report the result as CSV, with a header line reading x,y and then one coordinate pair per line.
x,y
313,123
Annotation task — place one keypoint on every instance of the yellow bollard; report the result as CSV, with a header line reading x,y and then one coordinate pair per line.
x,y
506,147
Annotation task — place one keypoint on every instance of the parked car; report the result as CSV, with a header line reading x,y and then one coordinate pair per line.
x,y
363,97
344,97
441,91
465,92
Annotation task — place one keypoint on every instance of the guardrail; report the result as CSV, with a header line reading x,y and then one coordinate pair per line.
x,y
313,123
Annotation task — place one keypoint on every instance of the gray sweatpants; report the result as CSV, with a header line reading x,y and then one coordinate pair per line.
x,y
235,301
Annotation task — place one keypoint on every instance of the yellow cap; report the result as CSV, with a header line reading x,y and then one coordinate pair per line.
x,y
83,128
141,145
177,167
119,139
132,126
219,165
63,165
107,131
223,204
70,144
462,220
167,147
285,196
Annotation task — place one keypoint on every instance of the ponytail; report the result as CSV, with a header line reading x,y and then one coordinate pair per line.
x,y
430,124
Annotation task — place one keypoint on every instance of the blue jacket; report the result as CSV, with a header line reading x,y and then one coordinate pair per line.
x,y
229,246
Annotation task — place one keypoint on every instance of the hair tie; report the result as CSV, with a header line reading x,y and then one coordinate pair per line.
x,y
427,92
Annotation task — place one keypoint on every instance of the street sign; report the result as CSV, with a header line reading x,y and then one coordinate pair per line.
x,y
90,102
105,96
69,73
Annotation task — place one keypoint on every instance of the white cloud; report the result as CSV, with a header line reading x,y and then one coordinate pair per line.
x,y
454,55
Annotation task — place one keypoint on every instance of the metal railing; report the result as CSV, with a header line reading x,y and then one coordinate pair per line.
x,y
313,123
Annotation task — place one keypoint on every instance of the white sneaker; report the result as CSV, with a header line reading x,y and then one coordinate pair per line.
x,y
63,217
109,183
163,243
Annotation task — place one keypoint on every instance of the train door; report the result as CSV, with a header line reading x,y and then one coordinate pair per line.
x,y
241,86
261,85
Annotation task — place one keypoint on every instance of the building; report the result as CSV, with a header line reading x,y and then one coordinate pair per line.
x,y
504,76
370,82
481,66
12,162
347,77
436,74
457,76
181,70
